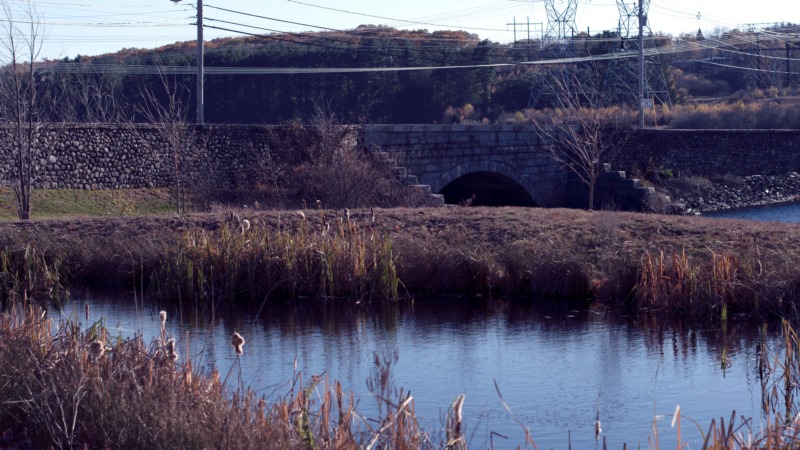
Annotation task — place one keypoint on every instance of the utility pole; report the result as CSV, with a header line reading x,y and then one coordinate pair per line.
x,y
642,20
528,24
200,70
788,74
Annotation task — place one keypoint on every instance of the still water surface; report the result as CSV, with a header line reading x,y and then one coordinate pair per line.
x,y
556,368
784,212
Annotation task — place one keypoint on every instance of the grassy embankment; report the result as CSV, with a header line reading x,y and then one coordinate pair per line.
x,y
70,203
681,265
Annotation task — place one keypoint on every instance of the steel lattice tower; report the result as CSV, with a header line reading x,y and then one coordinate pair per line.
x,y
560,21
621,84
560,29
628,16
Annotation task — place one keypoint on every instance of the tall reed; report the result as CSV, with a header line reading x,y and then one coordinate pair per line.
x,y
332,260
62,387
714,286
30,273
779,374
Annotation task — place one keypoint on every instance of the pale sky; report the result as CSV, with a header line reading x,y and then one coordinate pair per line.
x,y
91,27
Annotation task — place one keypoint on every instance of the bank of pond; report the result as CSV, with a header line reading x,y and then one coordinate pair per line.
x,y
342,313
659,265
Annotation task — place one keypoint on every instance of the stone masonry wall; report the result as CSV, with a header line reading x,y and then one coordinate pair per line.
x,y
110,157
114,157
713,152
439,154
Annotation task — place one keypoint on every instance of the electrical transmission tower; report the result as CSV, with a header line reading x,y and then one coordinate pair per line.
x,y
628,16
560,21
622,75
560,29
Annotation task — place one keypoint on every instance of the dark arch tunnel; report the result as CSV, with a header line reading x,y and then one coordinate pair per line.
x,y
486,189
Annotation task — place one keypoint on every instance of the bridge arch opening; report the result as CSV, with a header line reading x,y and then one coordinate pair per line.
x,y
486,189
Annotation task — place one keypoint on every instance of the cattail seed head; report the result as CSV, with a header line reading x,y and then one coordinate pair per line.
x,y
458,408
97,349
245,225
237,341
163,316
171,353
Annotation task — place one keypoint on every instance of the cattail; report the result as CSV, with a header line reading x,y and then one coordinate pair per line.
x,y
347,214
457,408
597,429
171,353
301,214
457,412
454,426
677,415
245,225
238,342
163,316
97,349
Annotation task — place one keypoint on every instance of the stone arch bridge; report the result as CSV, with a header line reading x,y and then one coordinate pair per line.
x,y
492,165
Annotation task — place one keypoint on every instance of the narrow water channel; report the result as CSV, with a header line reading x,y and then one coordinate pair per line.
x,y
556,368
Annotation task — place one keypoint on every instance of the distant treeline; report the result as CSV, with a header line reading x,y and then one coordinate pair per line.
x,y
479,92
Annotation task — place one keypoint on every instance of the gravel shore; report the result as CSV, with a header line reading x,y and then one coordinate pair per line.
x,y
699,194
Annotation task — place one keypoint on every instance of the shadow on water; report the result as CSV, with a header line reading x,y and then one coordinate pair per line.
x,y
558,366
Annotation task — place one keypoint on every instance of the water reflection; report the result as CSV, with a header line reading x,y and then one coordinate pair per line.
x,y
557,367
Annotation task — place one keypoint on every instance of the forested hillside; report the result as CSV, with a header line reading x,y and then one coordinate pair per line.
x,y
384,75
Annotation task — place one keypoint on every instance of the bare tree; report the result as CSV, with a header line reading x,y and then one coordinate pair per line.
x,y
91,96
166,108
583,134
20,104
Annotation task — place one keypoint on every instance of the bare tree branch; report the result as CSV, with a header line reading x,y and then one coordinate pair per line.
x,y
170,119
582,132
20,47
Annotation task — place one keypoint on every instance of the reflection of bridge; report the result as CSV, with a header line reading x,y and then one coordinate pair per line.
x,y
497,164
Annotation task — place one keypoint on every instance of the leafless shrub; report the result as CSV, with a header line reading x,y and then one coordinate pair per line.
x,y
738,115
699,86
324,161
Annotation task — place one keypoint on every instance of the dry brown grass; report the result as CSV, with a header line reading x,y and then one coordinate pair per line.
x,y
741,114
59,390
648,260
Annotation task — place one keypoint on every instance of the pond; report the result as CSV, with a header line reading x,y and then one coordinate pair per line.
x,y
783,212
557,368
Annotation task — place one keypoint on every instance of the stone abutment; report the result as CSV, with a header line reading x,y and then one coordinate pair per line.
x,y
501,159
